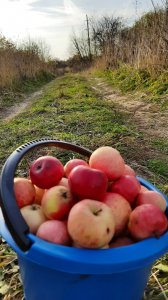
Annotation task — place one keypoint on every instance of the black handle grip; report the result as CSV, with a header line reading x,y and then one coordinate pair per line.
x,y
11,212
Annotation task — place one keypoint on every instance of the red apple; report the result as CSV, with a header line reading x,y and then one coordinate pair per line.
x,y
121,241
91,224
57,202
33,216
151,197
24,191
147,220
87,183
120,208
109,161
46,172
127,186
72,163
129,171
54,231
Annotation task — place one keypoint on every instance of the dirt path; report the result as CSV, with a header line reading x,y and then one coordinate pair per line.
x,y
14,110
149,117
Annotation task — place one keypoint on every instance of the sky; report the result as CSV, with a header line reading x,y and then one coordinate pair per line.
x,y
53,21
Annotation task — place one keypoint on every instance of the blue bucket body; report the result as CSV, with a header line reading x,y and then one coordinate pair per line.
x,y
48,284
55,272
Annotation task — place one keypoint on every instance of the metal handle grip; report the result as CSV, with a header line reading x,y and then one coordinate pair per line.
x,y
11,212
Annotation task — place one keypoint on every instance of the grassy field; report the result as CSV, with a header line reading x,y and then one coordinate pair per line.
x,y
70,110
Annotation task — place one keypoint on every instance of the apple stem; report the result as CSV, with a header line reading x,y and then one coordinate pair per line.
x,y
97,212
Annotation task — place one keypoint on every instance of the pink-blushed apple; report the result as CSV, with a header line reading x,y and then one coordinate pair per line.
x,y
72,163
76,245
54,231
129,171
143,188
91,224
57,202
105,247
64,182
120,208
121,241
39,195
24,191
147,220
127,186
46,171
108,160
151,197
33,216
86,182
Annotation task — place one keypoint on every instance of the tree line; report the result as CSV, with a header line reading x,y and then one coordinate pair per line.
x,y
27,61
143,45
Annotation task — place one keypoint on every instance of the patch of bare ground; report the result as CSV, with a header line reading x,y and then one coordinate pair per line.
x,y
148,118
8,113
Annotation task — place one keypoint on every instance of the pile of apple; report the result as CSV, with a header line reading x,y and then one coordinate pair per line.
x,y
93,204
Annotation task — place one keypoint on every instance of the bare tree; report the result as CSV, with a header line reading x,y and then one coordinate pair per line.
x,y
105,35
88,38
76,44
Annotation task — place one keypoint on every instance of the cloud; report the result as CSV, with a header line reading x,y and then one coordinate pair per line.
x,y
71,8
28,18
68,13
54,20
17,18
23,17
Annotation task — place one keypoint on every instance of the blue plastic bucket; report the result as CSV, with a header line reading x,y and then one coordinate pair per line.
x,y
55,272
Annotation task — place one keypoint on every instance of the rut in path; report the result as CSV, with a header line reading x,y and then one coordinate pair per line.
x,y
149,119
145,113
14,110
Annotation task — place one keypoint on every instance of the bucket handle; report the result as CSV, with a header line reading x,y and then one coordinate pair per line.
x,y
11,212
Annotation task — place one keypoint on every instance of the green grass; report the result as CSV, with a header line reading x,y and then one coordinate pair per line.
x,y
29,85
16,94
158,166
161,145
129,79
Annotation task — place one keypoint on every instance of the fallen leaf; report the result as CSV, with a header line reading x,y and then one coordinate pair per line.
x,y
4,288
162,267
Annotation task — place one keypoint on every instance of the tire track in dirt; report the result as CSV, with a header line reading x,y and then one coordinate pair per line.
x,y
14,110
149,116
149,119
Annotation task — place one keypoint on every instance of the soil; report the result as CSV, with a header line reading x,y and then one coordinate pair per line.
x,y
9,113
147,115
